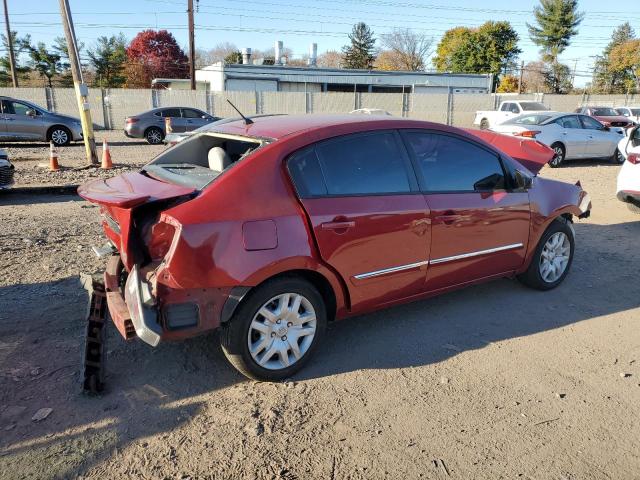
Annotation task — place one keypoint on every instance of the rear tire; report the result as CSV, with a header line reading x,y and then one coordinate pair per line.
x,y
255,339
559,155
549,253
484,124
154,135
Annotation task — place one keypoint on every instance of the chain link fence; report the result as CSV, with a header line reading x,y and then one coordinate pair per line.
x,y
111,106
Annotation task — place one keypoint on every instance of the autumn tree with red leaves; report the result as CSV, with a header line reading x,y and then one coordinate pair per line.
x,y
154,54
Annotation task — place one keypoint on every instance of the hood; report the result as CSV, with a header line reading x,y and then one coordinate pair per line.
x,y
129,190
64,117
532,154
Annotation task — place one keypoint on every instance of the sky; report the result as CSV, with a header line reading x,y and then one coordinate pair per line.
x,y
258,24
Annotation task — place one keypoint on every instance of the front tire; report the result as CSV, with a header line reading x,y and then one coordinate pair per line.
x,y
154,136
60,136
275,330
617,157
553,257
559,155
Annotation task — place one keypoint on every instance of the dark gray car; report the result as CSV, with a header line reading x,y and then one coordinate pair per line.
x,y
151,124
25,121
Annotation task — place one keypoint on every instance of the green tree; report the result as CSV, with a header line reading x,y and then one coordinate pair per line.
x,y
606,80
108,59
490,48
557,23
233,57
47,63
20,45
360,54
60,47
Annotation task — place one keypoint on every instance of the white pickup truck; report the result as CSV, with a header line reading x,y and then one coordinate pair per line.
x,y
507,110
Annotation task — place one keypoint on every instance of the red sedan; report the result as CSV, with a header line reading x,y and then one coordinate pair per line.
x,y
273,227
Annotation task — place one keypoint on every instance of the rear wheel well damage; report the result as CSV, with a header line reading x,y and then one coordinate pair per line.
x,y
316,279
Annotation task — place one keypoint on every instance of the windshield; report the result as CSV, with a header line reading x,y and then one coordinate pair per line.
x,y
533,106
604,112
198,160
531,119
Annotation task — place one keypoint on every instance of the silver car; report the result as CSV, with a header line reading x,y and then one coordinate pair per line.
x,y
151,124
22,120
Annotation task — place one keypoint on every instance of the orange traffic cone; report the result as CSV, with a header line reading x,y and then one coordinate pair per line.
x,y
106,156
53,158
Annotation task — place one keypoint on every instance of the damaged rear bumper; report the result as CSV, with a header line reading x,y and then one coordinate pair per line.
x,y
131,312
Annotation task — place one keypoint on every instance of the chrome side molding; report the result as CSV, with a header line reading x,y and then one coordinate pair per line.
x,y
386,271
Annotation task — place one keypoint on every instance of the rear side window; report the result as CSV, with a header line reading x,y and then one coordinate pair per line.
x,y
569,122
171,112
452,164
366,164
305,172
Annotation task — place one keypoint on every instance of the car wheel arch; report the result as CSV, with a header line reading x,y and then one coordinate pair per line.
x,y
333,297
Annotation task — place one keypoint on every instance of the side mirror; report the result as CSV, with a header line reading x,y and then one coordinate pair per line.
x,y
31,113
606,129
523,181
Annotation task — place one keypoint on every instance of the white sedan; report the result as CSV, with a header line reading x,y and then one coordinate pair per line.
x,y
572,136
628,190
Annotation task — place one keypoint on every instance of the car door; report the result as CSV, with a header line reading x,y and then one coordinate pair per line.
x,y
572,135
506,112
3,122
479,225
194,118
19,124
600,142
178,124
370,222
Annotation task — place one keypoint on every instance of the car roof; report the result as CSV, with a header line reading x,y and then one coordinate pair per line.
x,y
276,127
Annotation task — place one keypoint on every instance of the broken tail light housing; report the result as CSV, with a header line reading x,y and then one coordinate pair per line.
x,y
634,158
528,133
160,240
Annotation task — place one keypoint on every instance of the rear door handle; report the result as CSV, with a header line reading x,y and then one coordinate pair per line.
x,y
340,225
448,217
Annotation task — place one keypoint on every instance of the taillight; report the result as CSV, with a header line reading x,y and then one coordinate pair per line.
x,y
634,158
131,120
527,133
160,239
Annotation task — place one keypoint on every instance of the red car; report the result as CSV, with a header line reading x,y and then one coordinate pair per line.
x,y
607,116
271,228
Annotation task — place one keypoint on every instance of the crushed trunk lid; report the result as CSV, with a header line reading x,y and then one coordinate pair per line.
x,y
532,154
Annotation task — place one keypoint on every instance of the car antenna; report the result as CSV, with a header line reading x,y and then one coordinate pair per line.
x,y
247,121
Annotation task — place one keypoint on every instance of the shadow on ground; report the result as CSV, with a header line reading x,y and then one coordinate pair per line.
x,y
151,391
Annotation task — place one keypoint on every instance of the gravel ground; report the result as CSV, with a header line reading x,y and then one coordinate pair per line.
x,y
32,159
495,381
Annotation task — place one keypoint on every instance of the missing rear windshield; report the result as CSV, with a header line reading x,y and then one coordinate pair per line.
x,y
198,160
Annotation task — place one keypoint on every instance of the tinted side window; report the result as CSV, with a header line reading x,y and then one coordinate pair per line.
x,y
451,164
171,112
7,107
505,107
591,123
190,113
363,164
305,172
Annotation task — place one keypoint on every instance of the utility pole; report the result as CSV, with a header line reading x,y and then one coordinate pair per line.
x,y
520,79
82,92
12,58
192,46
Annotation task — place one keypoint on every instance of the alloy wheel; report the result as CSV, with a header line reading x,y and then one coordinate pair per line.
x,y
558,156
282,331
154,136
555,257
59,137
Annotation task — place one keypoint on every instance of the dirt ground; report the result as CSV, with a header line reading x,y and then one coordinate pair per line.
x,y
492,382
32,159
